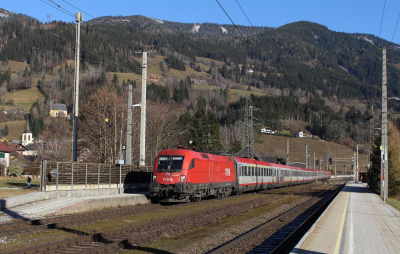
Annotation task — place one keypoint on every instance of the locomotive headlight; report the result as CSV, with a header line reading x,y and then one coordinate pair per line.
x,y
154,178
183,178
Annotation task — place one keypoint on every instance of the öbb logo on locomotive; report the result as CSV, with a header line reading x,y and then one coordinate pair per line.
x,y
183,175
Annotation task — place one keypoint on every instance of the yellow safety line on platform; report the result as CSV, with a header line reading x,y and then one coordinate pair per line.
x,y
339,237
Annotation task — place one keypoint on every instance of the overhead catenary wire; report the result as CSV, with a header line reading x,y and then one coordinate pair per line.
x,y
78,9
240,32
57,8
395,27
62,38
103,33
383,13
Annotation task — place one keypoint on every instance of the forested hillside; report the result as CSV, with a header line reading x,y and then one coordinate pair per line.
x,y
300,72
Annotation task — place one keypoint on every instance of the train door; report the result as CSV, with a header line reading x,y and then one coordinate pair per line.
x,y
273,175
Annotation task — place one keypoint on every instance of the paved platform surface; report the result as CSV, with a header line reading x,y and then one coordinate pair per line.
x,y
70,205
357,221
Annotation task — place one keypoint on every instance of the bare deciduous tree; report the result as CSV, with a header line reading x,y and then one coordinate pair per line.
x,y
101,125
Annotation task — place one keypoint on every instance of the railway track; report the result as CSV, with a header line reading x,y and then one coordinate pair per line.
x,y
130,237
29,226
135,235
296,223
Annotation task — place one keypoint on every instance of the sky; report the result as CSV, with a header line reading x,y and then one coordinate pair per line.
x,y
350,16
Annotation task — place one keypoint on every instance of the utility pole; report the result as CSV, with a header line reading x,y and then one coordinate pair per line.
x,y
78,19
328,155
357,164
306,156
129,129
287,154
384,141
354,166
314,160
142,158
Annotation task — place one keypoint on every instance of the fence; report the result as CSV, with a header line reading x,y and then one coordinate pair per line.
x,y
76,176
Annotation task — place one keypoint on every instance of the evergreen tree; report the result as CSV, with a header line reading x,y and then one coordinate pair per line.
x,y
236,146
5,130
205,130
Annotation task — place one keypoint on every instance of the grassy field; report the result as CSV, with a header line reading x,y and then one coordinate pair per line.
x,y
24,98
15,129
14,66
15,185
394,202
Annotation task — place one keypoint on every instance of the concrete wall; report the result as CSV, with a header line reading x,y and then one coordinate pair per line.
x,y
101,203
36,196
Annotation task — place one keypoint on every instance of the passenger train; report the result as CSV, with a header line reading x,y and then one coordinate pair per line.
x,y
182,175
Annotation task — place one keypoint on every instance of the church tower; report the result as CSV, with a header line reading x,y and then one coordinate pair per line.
x,y
27,135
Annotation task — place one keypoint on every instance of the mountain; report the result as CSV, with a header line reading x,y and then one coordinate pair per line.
x,y
157,26
301,71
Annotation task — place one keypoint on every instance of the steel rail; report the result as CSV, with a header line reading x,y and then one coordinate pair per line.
x,y
306,224
231,244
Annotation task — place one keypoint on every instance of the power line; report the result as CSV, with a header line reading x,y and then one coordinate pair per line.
x,y
395,27
78,9
382,18
57,8
86,50
230,18
245,15
236,27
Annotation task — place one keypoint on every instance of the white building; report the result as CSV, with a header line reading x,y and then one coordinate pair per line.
x,y
27,135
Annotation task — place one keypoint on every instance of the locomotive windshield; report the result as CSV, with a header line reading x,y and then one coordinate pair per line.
x,y
170,163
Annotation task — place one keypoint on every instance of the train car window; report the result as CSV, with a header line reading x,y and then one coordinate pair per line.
x,y
192,164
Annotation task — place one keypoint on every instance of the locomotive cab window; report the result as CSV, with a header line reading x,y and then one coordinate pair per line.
x,y
192,164
168,163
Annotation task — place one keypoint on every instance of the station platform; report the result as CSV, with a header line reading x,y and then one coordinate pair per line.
x,y
357,221
40,208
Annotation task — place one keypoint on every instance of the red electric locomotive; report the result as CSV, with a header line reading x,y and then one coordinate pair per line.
x,y
181,175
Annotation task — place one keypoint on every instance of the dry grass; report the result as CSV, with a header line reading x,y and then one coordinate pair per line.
x,y
14,66
8,193
209,60
24,98
177,242
28,96
15,129
20,183
394,202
